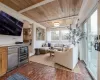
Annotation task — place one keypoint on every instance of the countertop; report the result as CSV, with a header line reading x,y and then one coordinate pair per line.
x,y
2,45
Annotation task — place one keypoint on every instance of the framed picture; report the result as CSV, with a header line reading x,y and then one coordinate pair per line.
x,y
40,33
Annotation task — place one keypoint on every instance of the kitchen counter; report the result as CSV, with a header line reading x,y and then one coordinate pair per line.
x,y
2,45
11,56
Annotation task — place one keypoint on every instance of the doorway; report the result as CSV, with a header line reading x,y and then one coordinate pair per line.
x,y
90,54
28,36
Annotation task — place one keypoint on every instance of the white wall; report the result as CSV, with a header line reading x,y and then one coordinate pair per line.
x,y
37,43
9,39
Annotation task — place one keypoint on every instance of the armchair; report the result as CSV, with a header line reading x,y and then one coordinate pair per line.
x,y
67,58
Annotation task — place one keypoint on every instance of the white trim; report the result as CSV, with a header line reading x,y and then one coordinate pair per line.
x,y
36,5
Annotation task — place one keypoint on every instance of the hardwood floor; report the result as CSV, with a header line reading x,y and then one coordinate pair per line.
x,y
47,60
36,71
84,71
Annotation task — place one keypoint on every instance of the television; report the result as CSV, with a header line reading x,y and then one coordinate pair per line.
x,y
9,25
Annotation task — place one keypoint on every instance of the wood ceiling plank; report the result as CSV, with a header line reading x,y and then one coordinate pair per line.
x,y
15,2
28,15
36,1
20,4
35,6
64,4
40,14
78,6
37,14
29,2
9,3
46,24
71,7
1,0
53,10
50,11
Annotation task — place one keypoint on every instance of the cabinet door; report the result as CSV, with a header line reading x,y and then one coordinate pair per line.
x,y
3,61
0,64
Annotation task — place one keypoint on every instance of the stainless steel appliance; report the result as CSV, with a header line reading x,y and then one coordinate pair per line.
x,y
23,55
12,57
17,55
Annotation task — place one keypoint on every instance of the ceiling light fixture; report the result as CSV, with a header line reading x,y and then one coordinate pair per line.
x,y
56,24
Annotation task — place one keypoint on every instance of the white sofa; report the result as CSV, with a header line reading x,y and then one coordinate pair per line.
x,y
67,58
54,45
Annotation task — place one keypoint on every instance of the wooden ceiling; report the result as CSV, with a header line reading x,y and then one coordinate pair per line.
x,y
20,4
55,11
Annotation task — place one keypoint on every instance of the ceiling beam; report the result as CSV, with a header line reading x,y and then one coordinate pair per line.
x,y
36,5
68,17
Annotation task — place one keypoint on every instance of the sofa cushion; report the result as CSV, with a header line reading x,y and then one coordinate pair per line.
x,y
61,45
58,45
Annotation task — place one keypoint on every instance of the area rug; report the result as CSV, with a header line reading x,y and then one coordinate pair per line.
x,y
17,76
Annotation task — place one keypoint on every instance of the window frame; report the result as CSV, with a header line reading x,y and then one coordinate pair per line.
x,y
51,35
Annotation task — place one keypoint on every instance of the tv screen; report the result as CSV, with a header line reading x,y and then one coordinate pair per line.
x,y
9,25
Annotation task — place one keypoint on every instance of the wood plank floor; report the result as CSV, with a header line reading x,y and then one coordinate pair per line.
x,y
47,60
84,71
36,71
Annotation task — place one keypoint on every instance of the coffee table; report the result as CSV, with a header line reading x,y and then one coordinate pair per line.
x,y
51,51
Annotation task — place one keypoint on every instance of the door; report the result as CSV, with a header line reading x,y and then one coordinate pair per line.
x,y
92,53
12,61
3,60
28,36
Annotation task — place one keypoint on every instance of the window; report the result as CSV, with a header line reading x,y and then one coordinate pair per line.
x,y
91,55
54,35
64,34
